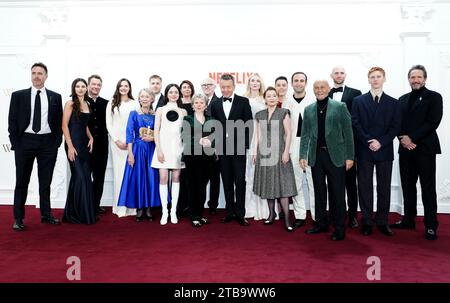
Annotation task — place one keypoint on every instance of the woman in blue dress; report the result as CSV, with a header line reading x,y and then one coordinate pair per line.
x,y
140,185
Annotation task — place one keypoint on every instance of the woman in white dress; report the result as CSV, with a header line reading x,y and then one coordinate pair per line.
x,y
117,112
255,207
169,149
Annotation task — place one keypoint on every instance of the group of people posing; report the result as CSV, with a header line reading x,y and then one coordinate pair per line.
x,y
265,146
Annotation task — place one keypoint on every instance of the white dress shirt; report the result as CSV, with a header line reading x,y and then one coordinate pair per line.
x,y
227,106
45,127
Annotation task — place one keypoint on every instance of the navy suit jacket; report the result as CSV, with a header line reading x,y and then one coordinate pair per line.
x,y
380,121
422,121
20,113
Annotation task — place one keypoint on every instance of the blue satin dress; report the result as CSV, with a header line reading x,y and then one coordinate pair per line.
x,y
140,184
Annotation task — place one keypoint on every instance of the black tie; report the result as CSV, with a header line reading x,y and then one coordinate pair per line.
x,y
377,99
37,113
337,89
226,99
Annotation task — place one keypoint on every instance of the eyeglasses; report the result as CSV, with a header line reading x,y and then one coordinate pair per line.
x,y
207,85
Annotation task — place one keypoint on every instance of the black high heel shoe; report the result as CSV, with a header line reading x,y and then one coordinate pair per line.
x,y
289,229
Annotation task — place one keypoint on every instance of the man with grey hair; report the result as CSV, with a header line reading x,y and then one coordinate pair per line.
x,y
208,87
327,146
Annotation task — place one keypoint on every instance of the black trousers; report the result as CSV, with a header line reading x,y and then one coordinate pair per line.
x,y
196,171
99,161
415,165
183,197
44,149
214,184
324,172
365,188
352,194
232,170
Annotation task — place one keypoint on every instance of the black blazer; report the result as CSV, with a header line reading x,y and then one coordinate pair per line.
x,y
160,102
422,121
372,121
347,96
20,113
240,111
208,108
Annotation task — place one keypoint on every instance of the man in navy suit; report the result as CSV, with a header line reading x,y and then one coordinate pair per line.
x,y
155,82
343,93
34,126
419,144
376,121
232,112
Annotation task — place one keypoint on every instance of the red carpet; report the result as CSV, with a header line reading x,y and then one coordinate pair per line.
x,y
121,250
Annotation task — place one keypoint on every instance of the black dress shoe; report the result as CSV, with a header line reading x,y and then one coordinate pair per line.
x,y
289,229
140,215
353,223
430,234
385,230
366,230
148,214
403,224
101,210
242,221
338,236
299,223
317,229
227,219
50,220
18,225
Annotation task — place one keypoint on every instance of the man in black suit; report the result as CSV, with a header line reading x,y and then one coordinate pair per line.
x,y
376,119
232,113
34,126
155,87
97,127
208,88
343,93
419,144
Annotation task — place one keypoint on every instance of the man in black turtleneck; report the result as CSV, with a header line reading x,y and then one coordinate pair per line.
x,y
327,146
419,144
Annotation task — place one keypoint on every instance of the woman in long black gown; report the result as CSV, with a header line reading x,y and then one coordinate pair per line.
x,y
78,144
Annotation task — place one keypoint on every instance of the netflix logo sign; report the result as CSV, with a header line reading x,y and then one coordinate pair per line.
x,y
240,78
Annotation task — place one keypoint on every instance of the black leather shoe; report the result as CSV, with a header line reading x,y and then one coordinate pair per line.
x,y
148,214
402,224
242,221
317,229
140,215
289,229
298,223
366,230
18,225
227,219
353,223
213,211
50,220
101,210
385,230
430,234
338,236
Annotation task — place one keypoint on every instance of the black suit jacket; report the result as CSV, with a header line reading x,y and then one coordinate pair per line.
x,y
240,111
160,102
208,108
422,121
347,96
20,113
372,121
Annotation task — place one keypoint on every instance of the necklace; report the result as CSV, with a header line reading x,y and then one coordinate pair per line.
x,y
322,109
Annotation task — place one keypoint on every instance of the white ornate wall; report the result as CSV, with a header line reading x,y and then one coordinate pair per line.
x,y
189,39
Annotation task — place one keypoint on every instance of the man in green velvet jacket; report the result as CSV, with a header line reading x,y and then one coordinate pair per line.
x,y
327,146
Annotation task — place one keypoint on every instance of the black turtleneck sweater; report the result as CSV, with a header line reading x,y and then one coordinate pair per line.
x,y
416,94
321,113
300,119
